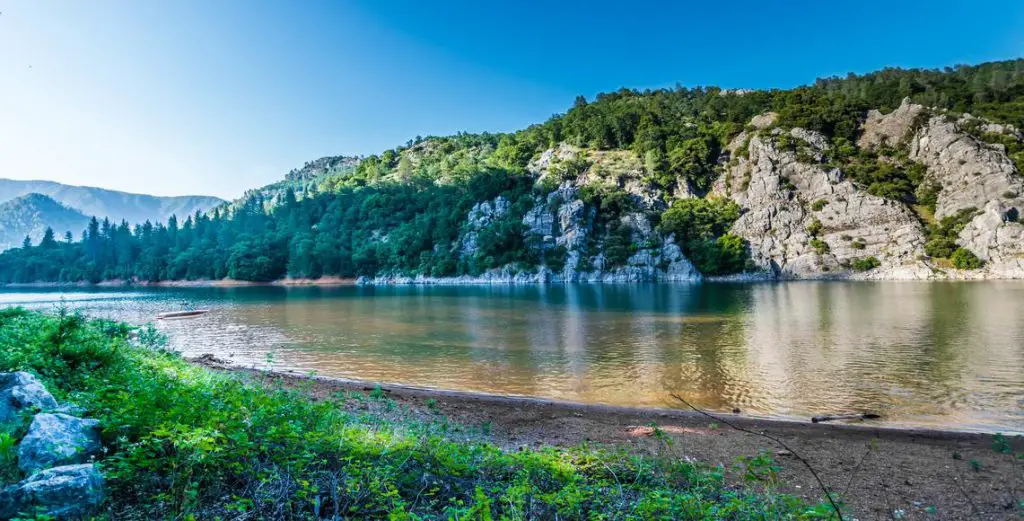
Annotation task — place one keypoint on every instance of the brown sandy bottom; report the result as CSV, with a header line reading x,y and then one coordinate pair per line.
x,y
880,473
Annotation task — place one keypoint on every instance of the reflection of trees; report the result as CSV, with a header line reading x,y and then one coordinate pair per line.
x,y
793,348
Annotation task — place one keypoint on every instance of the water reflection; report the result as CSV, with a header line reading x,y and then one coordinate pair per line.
x,y
936,354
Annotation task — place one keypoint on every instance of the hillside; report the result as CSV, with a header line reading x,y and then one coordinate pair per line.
x,y
30,215
111,204
303,182
898,174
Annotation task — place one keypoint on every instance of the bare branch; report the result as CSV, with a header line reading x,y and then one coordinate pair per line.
x,y
807,464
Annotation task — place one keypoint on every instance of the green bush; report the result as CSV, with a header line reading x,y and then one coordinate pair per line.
x,y
189,443
964,259
815,228
701,227
865,264
820,246
818,205
943,235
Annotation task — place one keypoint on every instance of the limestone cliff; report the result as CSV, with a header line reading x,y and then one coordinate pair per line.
x,y
803,219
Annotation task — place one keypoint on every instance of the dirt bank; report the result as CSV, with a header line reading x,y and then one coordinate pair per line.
x,y
881,473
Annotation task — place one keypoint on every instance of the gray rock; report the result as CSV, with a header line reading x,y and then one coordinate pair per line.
x,y
9,504
19,392
971,173
889,129
764,121
58,439
68,492
782,199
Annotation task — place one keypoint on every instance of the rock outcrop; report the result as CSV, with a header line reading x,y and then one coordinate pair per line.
x,y
21,392
972,176
804,220
58,439
970,172
564,222
51,454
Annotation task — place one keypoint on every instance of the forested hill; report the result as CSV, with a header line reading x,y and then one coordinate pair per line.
x,y
110,204
893,174
31,215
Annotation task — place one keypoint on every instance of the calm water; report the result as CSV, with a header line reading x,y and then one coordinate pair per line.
x,y
924,354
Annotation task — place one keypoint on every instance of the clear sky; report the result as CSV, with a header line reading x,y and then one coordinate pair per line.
x,y
214,96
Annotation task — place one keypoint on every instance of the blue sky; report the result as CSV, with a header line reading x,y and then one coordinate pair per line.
x,y
216,96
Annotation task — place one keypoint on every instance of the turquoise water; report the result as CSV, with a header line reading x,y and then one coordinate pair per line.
x,y
947,355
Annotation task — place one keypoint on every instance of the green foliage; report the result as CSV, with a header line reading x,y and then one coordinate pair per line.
x,y
865,264
820,246
815,228
696,218
188,443
818,205
964,259
892,178
701,226
355,230
942,237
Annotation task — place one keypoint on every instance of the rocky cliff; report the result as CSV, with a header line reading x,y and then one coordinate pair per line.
x,y
802,216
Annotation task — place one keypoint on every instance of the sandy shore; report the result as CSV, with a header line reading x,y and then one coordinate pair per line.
x,y
881,473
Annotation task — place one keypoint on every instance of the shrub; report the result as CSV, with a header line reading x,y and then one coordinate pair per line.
x,y
815,228
701,226
819,246
818,205
865,264
964,259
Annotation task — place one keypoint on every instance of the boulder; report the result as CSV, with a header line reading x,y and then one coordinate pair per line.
x,y
21,391
58,439
68,492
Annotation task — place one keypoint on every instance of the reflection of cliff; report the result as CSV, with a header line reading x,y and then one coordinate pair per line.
x,y
905,349
909,350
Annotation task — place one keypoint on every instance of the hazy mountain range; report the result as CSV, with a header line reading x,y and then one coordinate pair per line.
x,y
28,207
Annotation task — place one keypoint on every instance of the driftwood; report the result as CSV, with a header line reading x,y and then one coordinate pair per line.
x,y
858,416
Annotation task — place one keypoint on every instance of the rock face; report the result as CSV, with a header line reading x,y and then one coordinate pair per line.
x,y
22,392
970,172
563,222
68,492
803,220
996,237
58,439
892,128
972,175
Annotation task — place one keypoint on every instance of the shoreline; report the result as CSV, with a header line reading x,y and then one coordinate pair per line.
x,y
459,281
515,400
878,470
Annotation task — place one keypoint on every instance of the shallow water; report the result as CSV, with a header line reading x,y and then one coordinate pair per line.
x,y
947,355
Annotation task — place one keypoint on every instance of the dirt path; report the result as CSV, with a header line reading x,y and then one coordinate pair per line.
x,y
881,473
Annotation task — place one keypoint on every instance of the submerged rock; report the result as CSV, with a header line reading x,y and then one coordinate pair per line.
x,y
68,492
58,439
21,391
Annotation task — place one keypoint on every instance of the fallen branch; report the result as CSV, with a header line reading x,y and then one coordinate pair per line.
x,y
807,464
858,416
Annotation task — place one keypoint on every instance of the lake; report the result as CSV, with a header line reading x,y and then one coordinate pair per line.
x,y
944,355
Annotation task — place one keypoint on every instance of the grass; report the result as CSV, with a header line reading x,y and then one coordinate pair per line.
x,y
188,443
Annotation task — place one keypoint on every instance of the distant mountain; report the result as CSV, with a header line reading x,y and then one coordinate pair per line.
x,y
30,215
134,208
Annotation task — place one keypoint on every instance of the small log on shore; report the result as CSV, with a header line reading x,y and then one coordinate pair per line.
x,y
857,416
